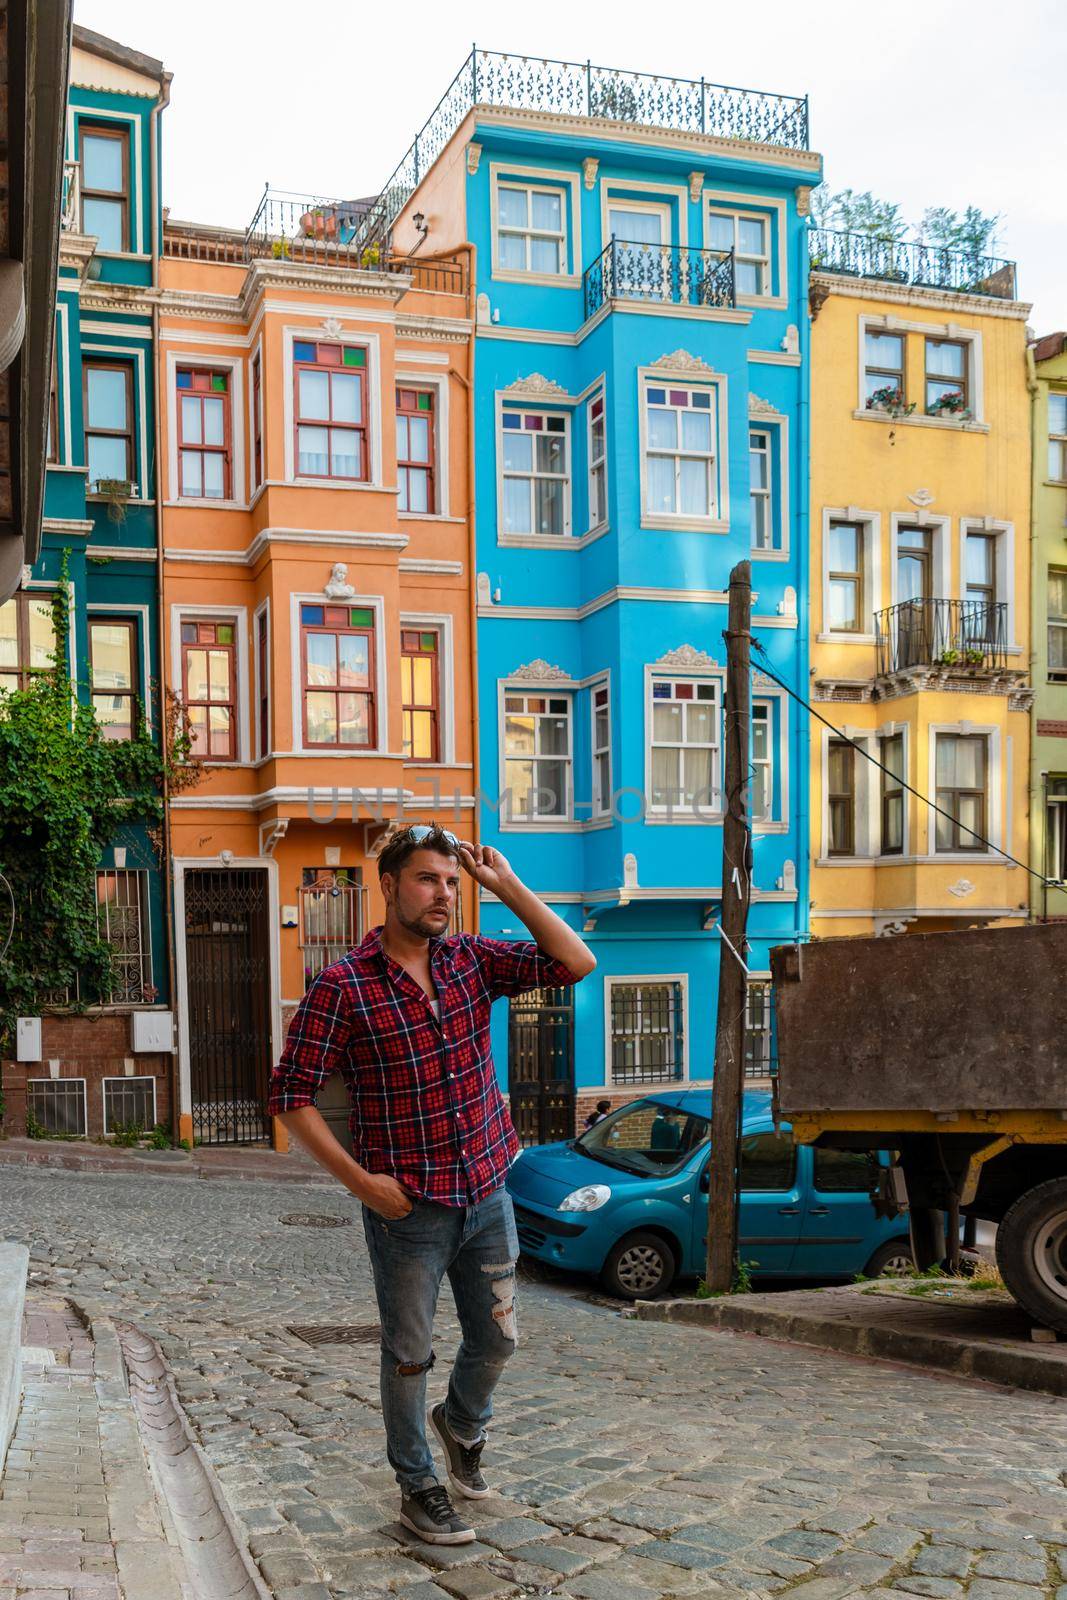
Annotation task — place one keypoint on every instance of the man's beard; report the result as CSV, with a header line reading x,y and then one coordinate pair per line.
x,y
420,925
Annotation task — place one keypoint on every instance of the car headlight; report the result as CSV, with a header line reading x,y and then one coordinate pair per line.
x,y
589,1198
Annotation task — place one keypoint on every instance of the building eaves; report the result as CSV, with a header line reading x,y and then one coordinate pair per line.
x,y
1049,345
120,55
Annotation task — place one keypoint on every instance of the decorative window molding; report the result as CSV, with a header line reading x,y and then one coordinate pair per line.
x,y
950,332
683,744
869,524
688,379
539,671
940,529
233,366
546,181
992,824
771,213
534,454
536,387
536,756
1003,535
357,338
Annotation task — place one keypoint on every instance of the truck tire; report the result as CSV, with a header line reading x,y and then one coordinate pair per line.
x,y
894,1259
1032,1252
639,1266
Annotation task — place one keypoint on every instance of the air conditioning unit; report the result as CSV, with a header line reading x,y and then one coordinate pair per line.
x,y
153,1032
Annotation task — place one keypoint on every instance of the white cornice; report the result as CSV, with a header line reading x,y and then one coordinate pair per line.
x,y
269,536
901,294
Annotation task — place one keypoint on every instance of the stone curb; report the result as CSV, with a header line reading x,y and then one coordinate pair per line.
x,y
189,1170
14,1265
963,1358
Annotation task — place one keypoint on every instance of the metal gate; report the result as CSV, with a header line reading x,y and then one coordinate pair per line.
x,y
541,1065
227,949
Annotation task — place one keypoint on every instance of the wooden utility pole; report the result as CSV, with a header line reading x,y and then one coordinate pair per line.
x,y
733,979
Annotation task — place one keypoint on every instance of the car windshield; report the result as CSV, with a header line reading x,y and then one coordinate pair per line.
x,y
647,1138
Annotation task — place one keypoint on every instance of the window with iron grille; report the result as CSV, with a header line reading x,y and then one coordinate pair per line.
x,y
122,917
647,1031
331,916
128,1102
57,1104
759,1031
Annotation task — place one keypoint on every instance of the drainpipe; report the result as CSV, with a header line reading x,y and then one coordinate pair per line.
x,y
1036,834
802,919
165,851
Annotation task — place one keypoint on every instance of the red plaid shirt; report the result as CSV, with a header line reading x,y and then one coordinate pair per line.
x,y
426,1107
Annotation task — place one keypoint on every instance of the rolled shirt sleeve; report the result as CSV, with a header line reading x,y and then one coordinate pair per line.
x,y
512,966
316,1046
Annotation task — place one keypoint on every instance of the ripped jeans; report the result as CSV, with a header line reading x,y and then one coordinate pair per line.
x,y
477,1246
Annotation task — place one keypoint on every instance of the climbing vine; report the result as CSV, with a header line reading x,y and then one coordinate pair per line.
x,y
65,791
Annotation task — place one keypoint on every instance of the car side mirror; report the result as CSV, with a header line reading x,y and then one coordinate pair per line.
x,y
705,1181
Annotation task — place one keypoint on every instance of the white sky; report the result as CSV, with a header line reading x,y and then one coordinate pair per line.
x,y
926,102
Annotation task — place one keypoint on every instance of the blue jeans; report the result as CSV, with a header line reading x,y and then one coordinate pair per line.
x,y
477,1246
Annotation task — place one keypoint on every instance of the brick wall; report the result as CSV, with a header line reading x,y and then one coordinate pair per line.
x,y
93,1047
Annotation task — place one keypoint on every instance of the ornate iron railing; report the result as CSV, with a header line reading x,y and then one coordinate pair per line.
x,y
967,635
580,89
923,265
625,270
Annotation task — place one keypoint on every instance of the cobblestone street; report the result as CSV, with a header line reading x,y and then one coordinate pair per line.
x,y
634,1461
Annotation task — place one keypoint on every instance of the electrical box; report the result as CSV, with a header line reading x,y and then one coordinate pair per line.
x,y
28,1039
153,1032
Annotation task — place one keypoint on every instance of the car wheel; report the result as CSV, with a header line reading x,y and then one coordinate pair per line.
x,y
639,1266
891,1260
1032,1252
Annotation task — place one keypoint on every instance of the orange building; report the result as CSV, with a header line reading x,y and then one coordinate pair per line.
x,y
317,595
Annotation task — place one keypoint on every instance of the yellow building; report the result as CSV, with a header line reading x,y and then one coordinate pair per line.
x,y
920,589
1048,831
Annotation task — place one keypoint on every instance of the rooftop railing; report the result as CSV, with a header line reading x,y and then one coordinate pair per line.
x,y
965,635
625,270
920,265
580,89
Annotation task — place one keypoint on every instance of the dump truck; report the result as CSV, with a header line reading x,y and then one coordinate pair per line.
x,y
949,1049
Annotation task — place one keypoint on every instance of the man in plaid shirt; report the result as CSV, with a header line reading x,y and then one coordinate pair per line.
x,y
405,1019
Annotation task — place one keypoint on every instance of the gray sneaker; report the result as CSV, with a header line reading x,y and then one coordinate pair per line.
x,y
464,1460
430,1514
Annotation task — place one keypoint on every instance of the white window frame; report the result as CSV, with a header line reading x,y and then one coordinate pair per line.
x,y
438,382
134,1077
995,781
867,841
549,690
234,365
593,462
971,337
30,1082
596,750
760,432
1056,438
940,551
757,208
140,245
679,813
443,624
716,521
566,184
353,333
640,978
765,708
239,615
758,981
1055,806
135,356
1004,579
542,540
870,525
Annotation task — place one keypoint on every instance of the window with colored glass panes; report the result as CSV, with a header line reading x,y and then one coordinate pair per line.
x,y
601,751
331,410
104,185
759,488
415,450
530,230
747,236
337,652
946,378
113,674
27,638
536,476
537,756
204,469
108,424
761,793
209,687
420,692
1057,437
598,497
680,466
685,744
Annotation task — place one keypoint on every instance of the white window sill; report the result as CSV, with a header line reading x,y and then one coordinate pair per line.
x,y
104,500
685,524
542,825
60,466
770,827
952,424
335,483
427,516
545,280
682,819
763,302
539,541
845,638
769,555
1050,483
207,505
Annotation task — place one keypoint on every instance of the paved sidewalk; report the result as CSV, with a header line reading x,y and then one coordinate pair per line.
x,y
75,1475
227,1162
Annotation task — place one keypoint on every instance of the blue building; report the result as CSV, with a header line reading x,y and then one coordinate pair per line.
x,y
640,421
99,529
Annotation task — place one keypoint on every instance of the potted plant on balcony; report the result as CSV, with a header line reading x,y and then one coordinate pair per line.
x,y
116,491
319,223
949,658
890,399
949,405
974,657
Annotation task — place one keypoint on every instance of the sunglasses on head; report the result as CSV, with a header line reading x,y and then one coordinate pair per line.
x,y
421,830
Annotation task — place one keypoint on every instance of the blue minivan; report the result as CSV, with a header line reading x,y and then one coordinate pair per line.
x,y
628,1200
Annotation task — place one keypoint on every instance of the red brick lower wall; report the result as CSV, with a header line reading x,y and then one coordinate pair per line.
x,y
585,1102
93,1047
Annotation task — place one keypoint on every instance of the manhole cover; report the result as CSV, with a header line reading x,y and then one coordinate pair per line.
x,y
298,1219
353,1333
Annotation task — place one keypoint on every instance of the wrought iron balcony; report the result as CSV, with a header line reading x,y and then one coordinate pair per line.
x,y
925,266
958,635
625,270
579,89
